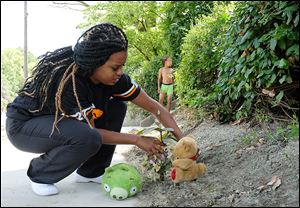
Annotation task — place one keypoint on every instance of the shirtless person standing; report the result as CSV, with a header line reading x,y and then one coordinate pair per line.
x,y
165,75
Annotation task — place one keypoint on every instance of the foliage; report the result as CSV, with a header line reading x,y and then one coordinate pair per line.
x,y
261,115
179,16
250,138
262,55
138,19
12,74
201,52
280,132
147,78
290,131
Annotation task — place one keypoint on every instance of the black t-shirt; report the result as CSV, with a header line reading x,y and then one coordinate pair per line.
x,y
90,96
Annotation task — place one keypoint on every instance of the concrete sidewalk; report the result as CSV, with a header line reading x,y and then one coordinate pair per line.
x,y
16,190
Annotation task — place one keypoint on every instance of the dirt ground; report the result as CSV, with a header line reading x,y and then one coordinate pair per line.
x,y
246,166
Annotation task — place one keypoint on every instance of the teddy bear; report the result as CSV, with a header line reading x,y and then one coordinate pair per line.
x,y
184,165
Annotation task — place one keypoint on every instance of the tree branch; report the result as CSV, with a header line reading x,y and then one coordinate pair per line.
x,y
84,3
285,112
70,5
284,104
148,59
143,24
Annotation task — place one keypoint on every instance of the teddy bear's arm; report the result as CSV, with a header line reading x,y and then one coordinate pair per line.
x,y
183,163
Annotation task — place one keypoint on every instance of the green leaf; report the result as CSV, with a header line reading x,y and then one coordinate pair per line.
x,y
256,43
228,51
273,77
294,49
241,85
273,44
247,95
252,56
238,67
248,72
268,71
289,80
168,129
246,36
290,16
279,96
292,8
247,86
226,100
258,83
282,44
235,52
264,38
260,74
140,132
283,64
264,64
296,20
289,12
283,78
148,130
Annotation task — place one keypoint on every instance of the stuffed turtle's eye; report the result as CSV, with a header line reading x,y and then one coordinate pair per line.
x,y
106,187
133,190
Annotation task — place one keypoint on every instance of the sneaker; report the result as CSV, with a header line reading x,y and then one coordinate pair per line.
x,y
44,189
82,179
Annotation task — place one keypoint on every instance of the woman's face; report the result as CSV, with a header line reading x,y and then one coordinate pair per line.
x,y
111,71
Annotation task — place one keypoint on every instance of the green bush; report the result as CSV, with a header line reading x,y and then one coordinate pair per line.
x,y
147,78
201,52
262,55
179,16
145,74
12,74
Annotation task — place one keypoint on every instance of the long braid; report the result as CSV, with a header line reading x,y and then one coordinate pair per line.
x,y
93,49
76,96
58,94
48,69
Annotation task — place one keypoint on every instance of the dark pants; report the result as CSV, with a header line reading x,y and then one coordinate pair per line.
x,y
76,146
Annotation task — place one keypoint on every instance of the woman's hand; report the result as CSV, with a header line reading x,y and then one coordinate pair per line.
x,y
151,145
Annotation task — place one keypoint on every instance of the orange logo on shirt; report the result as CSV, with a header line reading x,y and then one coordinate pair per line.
x,y
96,113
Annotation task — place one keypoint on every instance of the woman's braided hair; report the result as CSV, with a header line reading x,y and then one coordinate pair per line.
x,y
93,48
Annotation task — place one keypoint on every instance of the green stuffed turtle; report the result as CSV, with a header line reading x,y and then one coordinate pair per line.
x,y
121,181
